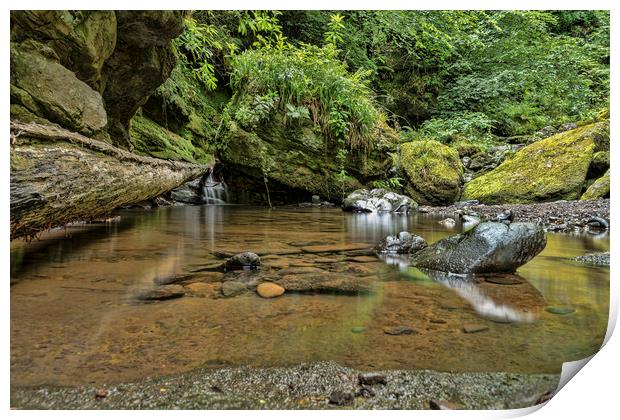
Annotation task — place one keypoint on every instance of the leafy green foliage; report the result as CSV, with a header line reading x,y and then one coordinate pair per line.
x,y
338,102
336,29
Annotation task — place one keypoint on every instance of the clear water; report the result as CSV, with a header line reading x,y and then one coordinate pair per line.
x,y
74,321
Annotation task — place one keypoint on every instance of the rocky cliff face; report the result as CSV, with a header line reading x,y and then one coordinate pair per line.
x,y
89,71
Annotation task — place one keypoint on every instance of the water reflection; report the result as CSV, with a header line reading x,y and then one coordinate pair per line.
x,y
72,319
468,287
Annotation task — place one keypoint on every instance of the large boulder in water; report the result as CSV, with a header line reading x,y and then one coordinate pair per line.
x,y
378,200
488,248
552,169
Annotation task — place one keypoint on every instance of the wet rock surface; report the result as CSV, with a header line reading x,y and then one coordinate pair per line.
x,y
378,200
170,291
560,216
403,243
233,288
244,260
326,283
301,386
488,248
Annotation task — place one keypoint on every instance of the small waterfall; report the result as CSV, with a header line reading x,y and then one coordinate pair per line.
x,y
214,191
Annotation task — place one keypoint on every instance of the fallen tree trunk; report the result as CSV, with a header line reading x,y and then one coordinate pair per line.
x,y
58,177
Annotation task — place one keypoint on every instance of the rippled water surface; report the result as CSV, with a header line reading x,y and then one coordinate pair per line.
x,y
75,319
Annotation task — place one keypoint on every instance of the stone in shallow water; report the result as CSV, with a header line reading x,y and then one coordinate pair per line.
x,y
403,243
243,260
269,290
201,289
316,249
170,291
560,310
233,288
326,283
474,328
300,270
400,330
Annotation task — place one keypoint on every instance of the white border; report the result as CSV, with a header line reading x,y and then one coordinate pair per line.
x,y
591,395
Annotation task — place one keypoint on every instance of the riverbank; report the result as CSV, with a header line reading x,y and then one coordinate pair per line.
x,y
305,386
558,216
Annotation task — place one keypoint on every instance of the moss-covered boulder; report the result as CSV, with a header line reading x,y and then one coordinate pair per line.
x,y
62,58
82,40
599,189
47,89
293,156
433,172
551,169
149,138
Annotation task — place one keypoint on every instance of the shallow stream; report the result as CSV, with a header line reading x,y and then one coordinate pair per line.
x,y
75,319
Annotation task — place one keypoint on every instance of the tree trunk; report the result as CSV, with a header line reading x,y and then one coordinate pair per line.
x,y
58,177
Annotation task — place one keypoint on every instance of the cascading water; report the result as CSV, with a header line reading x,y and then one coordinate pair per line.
x,y
214,191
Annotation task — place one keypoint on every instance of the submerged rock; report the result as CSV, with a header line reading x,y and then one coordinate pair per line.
x,y
403,243
233,288
488,248
378,200
560,310
400,330
448,222
474,328
244,260
326,283
169,291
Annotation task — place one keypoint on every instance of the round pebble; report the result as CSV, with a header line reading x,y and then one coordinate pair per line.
x,y
269,290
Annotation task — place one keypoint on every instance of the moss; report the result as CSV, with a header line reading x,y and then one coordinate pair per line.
x,y
466,148
551,169
433,170
182,104
20,113
154,140
286,156
599,189
599,165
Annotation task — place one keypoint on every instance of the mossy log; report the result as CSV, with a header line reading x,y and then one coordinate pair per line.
x,y
58,177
